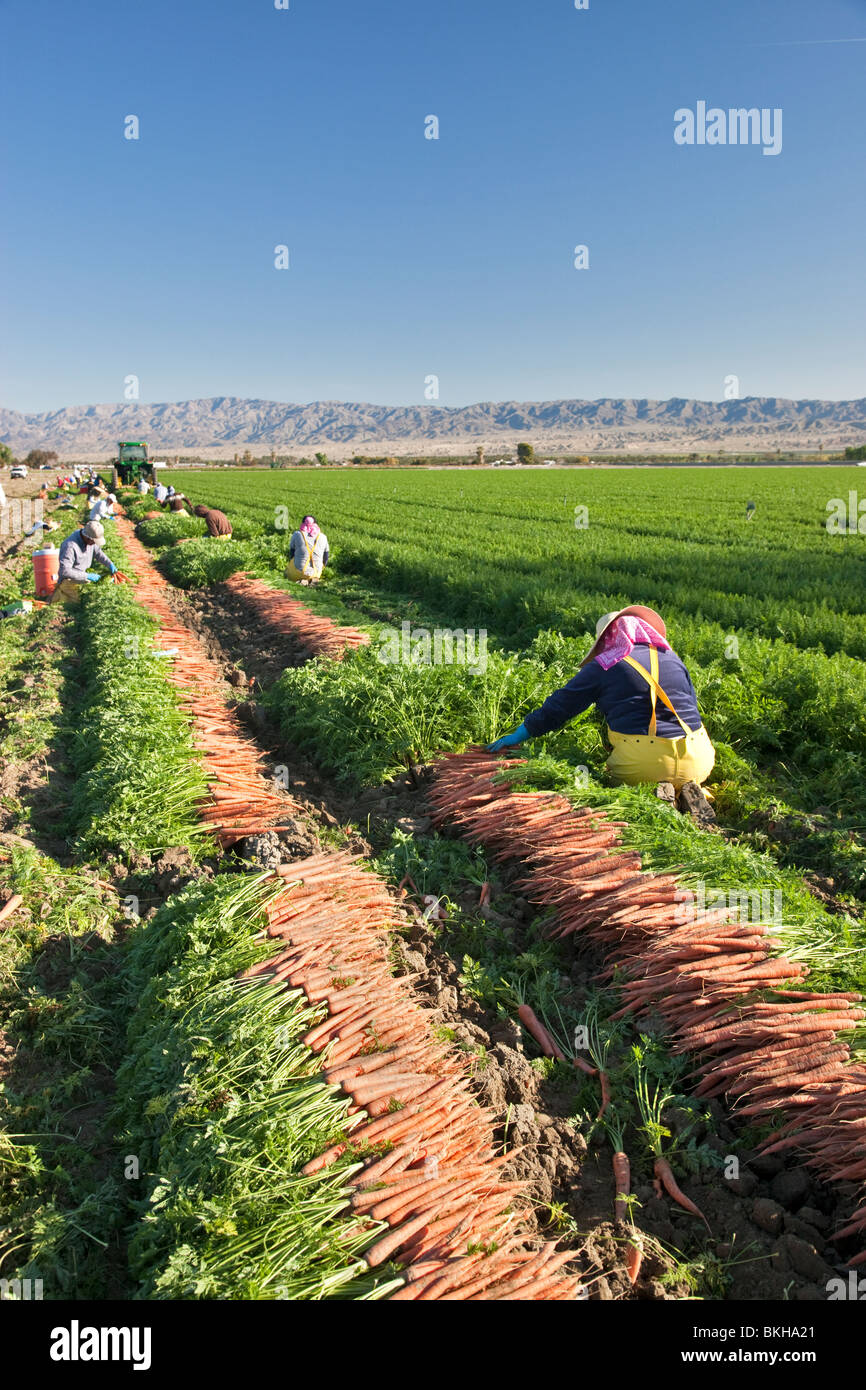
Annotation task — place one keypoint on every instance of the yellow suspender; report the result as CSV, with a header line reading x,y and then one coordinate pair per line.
x,y
310,552
652,679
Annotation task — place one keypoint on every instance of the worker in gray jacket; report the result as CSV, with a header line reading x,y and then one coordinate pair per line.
x,y
77,553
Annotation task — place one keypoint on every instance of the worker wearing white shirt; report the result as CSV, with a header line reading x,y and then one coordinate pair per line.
x,y
160,492
143,486
103,507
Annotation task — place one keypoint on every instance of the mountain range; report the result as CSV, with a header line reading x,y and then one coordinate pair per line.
x,y
221,426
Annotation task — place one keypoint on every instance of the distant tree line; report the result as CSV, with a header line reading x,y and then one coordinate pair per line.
x,y
35,459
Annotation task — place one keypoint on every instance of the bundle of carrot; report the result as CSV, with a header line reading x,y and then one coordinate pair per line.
x,y
318,635
433,1188
720,985
241,801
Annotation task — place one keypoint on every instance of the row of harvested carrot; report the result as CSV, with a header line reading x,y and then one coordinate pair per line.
x,y
316,634
428,1187
241,800
428,1184
724,991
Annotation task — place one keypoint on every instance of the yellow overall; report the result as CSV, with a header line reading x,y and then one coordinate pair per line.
x,y
309,571
646,758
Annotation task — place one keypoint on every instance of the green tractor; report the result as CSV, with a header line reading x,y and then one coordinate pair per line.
x,y
131,464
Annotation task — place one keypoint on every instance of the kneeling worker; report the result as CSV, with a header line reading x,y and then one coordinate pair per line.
x,y
645,692
103,507
308,552
77,553
217,522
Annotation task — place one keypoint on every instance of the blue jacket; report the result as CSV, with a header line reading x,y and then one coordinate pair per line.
x,y
623,698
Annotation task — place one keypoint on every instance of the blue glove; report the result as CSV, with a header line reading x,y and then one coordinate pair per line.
x,y
518,735
91,577
112,569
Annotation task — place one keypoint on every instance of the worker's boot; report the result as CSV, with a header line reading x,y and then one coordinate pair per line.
x,y
665,791
692,802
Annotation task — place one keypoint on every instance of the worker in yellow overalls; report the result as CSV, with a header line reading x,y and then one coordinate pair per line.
x,y
646,695
308,552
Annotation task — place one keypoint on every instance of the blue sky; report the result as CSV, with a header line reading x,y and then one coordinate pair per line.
x,y
412,257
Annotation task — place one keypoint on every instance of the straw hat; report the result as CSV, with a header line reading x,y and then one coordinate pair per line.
x,y
647,615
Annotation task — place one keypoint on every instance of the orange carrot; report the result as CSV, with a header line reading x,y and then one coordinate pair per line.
x,y
664,1173
633,1258
622,1180
323,1160
536,1028
584,1066
390,1243
11,906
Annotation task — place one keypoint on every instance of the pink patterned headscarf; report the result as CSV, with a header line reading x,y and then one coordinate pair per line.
x,y
309,527
624,634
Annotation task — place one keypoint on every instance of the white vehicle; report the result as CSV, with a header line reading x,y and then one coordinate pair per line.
x,y
19,471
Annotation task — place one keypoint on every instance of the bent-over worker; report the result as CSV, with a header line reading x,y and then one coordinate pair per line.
x,y
308,552
77,553
103,507
644,691
217,522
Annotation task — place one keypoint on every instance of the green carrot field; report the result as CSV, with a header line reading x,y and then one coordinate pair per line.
x,y
769,613
157,1114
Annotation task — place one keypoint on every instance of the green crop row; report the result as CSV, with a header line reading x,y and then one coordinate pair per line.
x,y
222,1105
138,781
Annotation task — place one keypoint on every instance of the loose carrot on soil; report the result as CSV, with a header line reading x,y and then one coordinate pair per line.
x,y
622,1180
633,1258
11,906
536,1028
664,1173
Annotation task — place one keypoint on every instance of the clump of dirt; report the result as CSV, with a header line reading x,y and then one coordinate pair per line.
x,y
230,637
174,869
274,847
